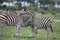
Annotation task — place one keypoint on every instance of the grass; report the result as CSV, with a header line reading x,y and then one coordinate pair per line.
x,y
8,32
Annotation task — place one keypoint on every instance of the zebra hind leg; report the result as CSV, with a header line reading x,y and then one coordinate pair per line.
x,y
1,26
18,29
51,28
0,31
47,32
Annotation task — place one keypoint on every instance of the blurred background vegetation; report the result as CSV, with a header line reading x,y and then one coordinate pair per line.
x,y
42,6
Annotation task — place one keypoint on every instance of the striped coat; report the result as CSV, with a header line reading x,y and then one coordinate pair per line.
x,y
43,22
9,18
27,17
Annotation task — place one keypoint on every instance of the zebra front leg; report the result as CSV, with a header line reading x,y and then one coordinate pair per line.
x,y
33,31
47,33
18,28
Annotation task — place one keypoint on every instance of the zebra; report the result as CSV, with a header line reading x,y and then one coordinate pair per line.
x,y
10,18
36,23
42,23
28,19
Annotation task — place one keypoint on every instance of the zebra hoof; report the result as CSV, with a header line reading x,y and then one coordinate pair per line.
x,y
15,36
32,37
1,34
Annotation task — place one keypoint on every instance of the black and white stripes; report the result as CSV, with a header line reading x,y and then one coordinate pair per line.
x,y
8,17
11,18
43,22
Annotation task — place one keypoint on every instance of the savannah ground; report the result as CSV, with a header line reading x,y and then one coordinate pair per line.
x,y
8,32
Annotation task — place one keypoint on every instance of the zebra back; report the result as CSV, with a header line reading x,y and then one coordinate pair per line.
x,y
43,22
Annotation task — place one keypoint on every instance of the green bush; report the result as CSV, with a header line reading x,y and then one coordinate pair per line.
x,y
0,7
13,8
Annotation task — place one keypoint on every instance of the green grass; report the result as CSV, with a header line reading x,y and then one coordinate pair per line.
x,y
8,32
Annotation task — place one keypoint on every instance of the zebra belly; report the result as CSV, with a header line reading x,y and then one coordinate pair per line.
x,y
11,23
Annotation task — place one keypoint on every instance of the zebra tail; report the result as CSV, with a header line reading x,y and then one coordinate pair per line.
x,y
51,28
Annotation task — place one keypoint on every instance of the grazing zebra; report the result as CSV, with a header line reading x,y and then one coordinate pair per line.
x,y
42,23
27,19
10,18
36,23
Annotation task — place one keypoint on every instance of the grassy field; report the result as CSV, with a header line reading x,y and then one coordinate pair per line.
x,y
8,32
